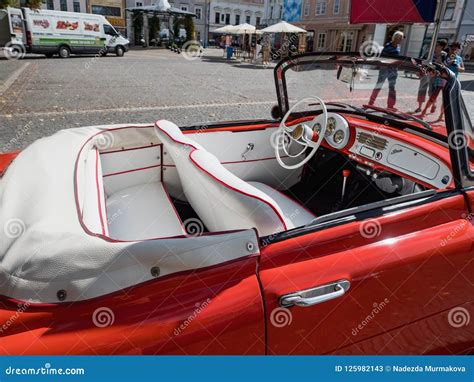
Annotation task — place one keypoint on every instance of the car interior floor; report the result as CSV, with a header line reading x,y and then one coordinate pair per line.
x,y
320,190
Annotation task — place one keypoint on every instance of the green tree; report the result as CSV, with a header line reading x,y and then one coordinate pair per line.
x,y
137,21
153,27
189,27
33,4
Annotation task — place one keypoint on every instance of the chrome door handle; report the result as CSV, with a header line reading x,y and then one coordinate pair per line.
x,y
316,295
249,148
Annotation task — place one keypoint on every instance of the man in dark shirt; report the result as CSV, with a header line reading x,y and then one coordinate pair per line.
x,y
392,48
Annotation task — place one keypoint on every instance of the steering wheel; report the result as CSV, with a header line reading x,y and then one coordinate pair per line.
x,y
301,133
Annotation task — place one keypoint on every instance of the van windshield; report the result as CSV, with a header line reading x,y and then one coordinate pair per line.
x,y
108,29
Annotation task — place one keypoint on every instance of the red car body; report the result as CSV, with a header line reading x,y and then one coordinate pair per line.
x,y
409,265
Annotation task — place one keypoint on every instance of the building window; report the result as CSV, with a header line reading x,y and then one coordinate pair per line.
x,y
184,8
449,11
63,5
257,21
198,12
321,7
247,19
50,4
77,6
321,41
346,41
306,8
106,11
217,18
237,19
227,18
335,9
138,3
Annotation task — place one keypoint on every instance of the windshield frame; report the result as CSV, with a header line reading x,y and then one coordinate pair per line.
x,y
407,64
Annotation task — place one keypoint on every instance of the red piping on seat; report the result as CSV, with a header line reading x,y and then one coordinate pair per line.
x,y
98,190
220,181
292,200
108,238
132,170
130,149
237,190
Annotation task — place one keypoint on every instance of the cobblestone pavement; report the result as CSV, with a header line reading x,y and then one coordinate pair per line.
x,y
40,96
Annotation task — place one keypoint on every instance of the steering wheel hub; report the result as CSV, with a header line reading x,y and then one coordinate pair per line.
x,y
302,134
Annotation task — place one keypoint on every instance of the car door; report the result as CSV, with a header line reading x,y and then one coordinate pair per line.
x,y
394,280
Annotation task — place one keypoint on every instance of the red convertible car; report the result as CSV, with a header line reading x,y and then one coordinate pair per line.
x,y
343,225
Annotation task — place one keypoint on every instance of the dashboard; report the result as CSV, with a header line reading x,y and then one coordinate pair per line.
x,y
378,149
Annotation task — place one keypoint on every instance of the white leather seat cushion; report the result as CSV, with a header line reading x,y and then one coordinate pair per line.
x,y
292,211
142,212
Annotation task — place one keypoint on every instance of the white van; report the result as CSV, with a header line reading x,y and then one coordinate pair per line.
x,y
54,32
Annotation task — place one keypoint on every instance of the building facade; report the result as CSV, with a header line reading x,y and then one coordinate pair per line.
x,y
234,12
66,5
199,8
327,22
112,10
465,33
273,12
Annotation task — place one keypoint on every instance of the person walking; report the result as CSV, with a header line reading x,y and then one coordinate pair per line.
x,y
455,62
392,48
428,84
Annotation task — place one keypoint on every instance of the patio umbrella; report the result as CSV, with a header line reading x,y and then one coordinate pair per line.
x,y
227,29
244,28
283,27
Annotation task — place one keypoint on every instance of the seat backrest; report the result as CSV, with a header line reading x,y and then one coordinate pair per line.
x,y
222,200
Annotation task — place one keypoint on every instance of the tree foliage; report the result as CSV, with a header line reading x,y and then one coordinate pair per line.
x,y
153,27
187,23
189,27
33,4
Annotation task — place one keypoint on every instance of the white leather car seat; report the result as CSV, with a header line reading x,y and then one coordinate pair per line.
x,y
222,200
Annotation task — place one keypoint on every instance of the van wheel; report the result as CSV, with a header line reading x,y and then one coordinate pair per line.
x,y
64,52
119,51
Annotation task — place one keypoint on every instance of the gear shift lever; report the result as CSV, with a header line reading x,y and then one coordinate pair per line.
x,y
345,175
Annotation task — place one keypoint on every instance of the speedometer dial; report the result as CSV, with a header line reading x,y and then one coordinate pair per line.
x,y
331,126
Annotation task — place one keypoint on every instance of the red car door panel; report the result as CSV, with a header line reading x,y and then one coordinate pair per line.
x,y
217,310
404,267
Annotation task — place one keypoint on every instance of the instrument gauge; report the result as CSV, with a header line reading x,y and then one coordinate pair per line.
x,y
331,126
339,136
317,127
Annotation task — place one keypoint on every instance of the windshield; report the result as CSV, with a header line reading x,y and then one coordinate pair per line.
x,y
391,89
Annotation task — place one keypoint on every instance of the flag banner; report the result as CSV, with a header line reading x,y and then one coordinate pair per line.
x,y
392,11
